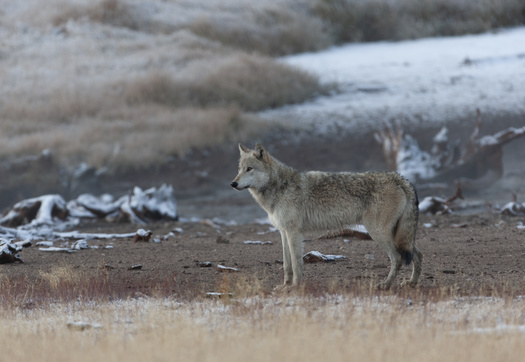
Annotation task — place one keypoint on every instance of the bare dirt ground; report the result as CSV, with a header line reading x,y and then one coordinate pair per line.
x,y
476,253
471,255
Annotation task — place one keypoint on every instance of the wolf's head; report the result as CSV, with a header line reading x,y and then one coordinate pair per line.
x,y
254,168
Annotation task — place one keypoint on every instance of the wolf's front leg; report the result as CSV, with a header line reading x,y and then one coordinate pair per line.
x,y
287,261
295,241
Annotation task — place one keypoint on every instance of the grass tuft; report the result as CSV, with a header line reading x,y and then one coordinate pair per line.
x,y
373,20
272,30
250,82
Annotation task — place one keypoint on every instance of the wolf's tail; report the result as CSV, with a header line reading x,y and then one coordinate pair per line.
x,y
406,227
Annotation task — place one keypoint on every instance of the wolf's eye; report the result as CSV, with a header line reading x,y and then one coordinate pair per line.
x,y
248,169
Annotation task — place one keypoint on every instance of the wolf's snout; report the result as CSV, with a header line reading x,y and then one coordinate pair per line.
x,y
234,184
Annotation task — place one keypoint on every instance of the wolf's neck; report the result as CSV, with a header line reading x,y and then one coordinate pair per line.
x,y
281,178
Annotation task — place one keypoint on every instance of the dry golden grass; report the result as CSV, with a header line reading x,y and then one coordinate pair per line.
x,y
268,329
360,324
140,137
250,82
104,88
96,81
60,277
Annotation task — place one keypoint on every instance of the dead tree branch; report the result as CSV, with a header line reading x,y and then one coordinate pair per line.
x,y
475,164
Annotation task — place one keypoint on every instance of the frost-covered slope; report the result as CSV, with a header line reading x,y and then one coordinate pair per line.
x,y
427,80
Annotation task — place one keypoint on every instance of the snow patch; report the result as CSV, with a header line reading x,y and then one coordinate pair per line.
x,y
429,80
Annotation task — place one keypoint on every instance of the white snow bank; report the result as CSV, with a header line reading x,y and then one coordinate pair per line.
x,y
431,80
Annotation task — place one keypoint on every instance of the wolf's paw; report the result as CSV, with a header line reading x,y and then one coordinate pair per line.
x,y
408,284
383,286
282,289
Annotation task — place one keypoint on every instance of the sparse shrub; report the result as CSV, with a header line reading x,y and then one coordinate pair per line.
x,y
276,30
372,20
61,277
111,12
167,133
252,83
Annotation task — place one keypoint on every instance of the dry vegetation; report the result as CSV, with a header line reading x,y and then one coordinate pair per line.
x,y
372,20
98,80
77,320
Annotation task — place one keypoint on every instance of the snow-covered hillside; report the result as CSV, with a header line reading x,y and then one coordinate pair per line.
x,y
426,80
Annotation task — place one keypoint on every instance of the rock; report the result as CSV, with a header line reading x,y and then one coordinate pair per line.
x,y
222,240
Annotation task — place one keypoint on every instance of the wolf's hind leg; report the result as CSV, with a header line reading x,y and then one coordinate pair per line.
x,y
387,243
417,259
395,264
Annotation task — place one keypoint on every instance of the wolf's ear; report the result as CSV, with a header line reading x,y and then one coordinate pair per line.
x,y
261,154
243,149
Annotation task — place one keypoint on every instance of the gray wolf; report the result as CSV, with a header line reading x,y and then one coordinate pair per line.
x,y
298,202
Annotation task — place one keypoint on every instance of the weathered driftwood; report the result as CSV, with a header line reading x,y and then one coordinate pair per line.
x,y
476,163
142,235
437,205
139,207
9,252
226,269
316,257
513,208
38,210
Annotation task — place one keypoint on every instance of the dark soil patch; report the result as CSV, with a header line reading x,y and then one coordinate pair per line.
x,y
485,256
